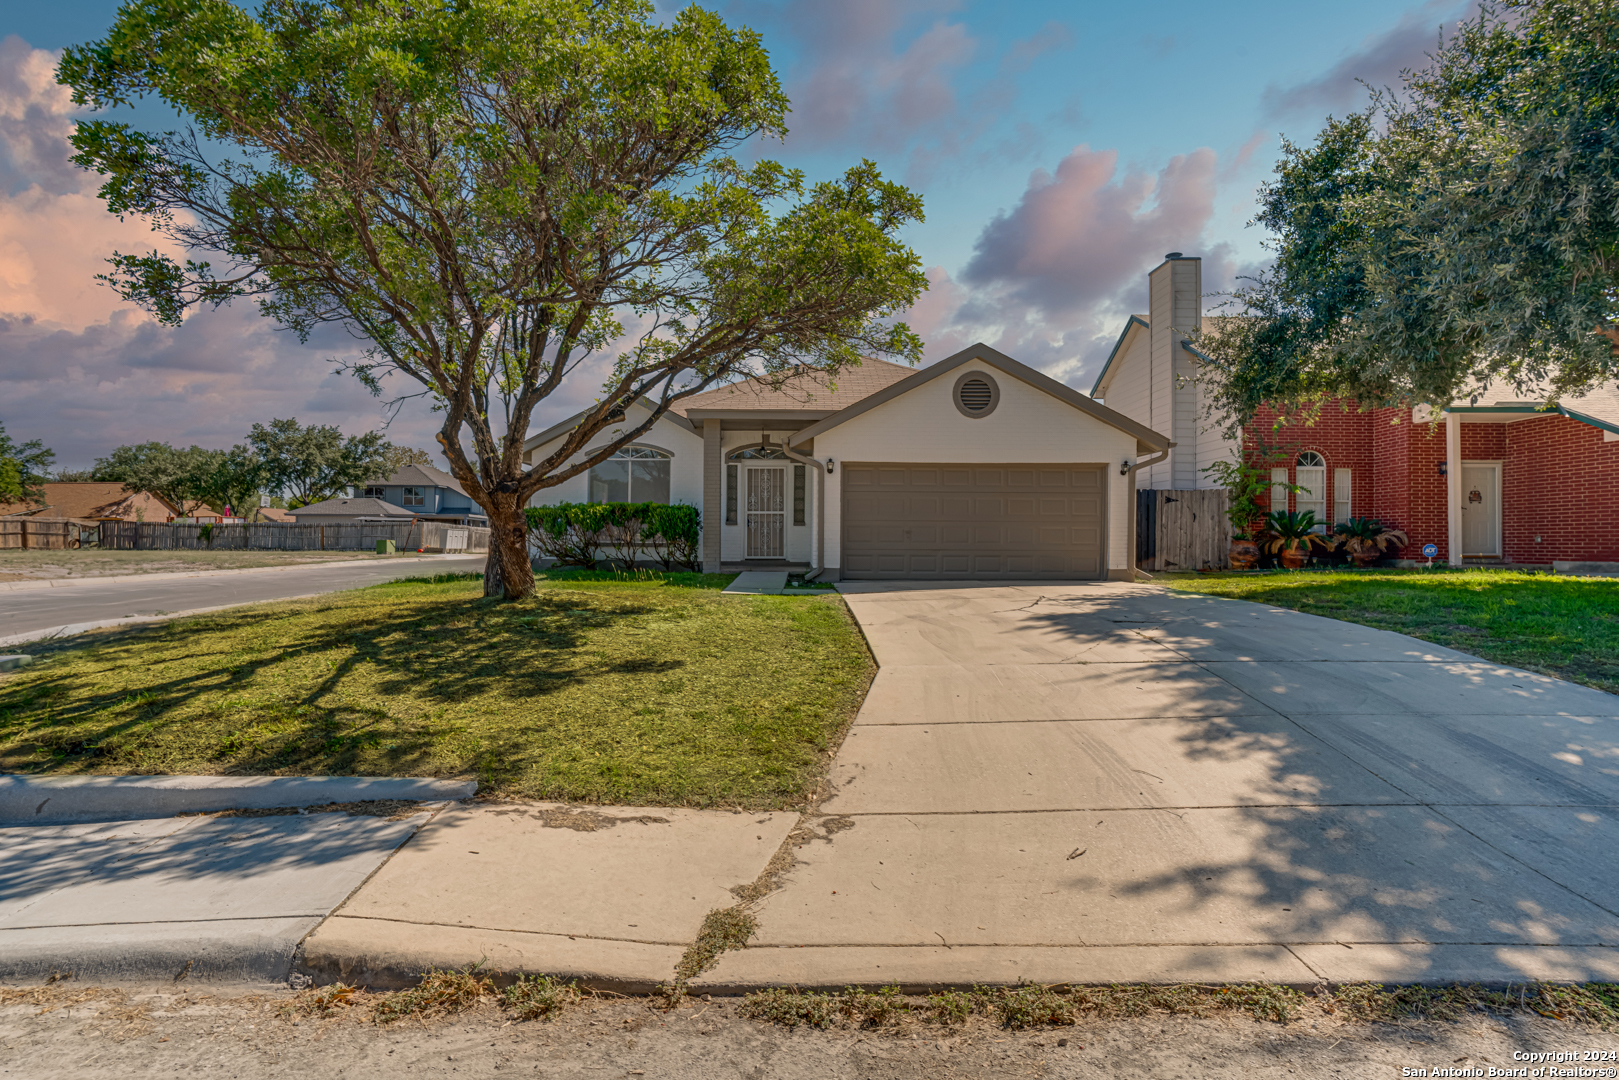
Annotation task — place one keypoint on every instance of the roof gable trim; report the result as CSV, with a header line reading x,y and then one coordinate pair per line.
x,y
1135,321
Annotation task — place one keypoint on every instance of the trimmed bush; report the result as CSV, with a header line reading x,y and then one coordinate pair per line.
x,y
578,534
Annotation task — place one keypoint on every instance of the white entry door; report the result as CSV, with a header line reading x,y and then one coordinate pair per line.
x,y
767,512
1481,510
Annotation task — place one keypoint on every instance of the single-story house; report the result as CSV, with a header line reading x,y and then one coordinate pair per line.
x,y
973,467
1498,478
414,493
93,501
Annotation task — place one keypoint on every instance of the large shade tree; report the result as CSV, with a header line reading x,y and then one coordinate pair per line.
x,y
1461,233
494,193
24,468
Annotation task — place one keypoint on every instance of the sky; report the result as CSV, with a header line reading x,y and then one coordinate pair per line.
x,y
1061,148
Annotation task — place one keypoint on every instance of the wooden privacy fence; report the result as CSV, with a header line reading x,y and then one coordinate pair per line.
x,y
26,533
348,536
1182,530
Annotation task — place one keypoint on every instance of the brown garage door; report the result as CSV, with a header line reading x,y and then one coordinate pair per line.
x,y
973,521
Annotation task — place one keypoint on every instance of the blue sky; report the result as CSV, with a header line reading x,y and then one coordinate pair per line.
x,y
1061,148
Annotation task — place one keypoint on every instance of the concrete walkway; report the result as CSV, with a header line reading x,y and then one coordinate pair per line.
x,y
1115,782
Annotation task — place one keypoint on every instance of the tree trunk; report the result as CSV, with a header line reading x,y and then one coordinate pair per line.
x,y
507,571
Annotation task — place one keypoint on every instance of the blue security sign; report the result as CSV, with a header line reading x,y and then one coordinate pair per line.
x,y
1430,550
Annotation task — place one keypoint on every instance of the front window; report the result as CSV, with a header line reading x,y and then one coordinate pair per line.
x,y
1312,482
415,496
634,474
375,493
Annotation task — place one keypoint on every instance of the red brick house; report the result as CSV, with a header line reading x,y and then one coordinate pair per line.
x,y
1533,485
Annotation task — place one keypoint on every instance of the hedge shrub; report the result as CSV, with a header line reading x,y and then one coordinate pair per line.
x,y
578,534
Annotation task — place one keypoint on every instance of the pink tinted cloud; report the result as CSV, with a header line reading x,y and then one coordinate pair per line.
x,y
1078,234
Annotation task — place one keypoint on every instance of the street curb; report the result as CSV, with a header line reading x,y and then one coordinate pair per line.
x,y
64,800
176,575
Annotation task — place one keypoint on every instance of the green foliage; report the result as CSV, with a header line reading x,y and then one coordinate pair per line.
x,y
1247,481
1461,232
182,478
483,190
1365,536
395,458
23,468
575,534
73,476
539,997
313,463
1292,530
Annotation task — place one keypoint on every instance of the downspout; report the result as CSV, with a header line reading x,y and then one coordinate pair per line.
x,y
820,510
1130,490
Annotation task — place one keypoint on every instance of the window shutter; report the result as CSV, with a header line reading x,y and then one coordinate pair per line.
x,y
1278,490
798,494
730,494
1342,506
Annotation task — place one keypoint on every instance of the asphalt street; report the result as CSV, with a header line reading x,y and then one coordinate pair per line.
x,y
86,601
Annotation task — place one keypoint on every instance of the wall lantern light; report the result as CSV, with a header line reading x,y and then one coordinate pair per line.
x,y
829,466
1124,467
1442,468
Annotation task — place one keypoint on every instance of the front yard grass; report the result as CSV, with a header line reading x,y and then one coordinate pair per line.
x,y
1553,624
628,692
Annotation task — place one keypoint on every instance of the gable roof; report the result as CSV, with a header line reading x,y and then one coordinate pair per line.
x,y
345,507
1118,347
810,392
420,476
994,358
1598,407
808,396
91,500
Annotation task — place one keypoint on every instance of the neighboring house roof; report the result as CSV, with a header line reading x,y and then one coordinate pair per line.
x,y
1099,389
993,358
93,501
421,476
1599,407
273,514
342,507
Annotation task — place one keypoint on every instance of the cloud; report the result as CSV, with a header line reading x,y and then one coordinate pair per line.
x,y
1378,62
34,121
1052,280
1052,37
1078,233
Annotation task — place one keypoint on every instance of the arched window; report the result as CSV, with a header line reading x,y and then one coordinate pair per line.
x,y
634,474
1312,481
760,453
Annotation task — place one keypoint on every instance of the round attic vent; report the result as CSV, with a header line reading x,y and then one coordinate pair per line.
x,y
976,394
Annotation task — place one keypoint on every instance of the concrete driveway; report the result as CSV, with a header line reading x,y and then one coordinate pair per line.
x,y
1118,782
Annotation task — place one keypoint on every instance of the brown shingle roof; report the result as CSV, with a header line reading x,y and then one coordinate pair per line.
x,y
94,501
814,391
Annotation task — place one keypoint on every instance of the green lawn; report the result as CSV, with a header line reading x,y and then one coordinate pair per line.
x,y
1563,626
596,691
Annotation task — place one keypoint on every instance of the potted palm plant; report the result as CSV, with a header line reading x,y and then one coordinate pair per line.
x,y
1246,483
1367,540
1290,534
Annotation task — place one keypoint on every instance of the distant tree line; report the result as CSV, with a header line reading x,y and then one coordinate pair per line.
x,y
299,464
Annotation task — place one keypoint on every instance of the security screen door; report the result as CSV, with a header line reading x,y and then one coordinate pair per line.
x,y
767,512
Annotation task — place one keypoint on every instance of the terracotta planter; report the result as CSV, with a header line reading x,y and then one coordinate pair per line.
x,y
1363,559
1244,555
1293,558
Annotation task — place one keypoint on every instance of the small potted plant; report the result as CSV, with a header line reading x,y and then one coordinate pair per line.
x,y
1367,540
1291,534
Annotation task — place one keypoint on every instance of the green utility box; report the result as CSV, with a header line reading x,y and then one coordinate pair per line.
x,y
385,547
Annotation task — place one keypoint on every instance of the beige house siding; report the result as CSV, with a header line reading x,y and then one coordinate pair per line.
x,y
685,470
1028,425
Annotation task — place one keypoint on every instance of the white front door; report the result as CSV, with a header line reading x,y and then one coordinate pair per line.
x,y
767,511
1481,510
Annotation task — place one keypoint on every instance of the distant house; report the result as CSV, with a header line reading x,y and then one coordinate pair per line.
x,y
414,493
273,515
95,502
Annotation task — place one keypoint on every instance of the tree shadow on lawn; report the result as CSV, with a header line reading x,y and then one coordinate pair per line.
x,y
1282,830
319,696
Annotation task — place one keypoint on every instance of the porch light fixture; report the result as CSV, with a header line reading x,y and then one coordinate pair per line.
x,y
829,466
1124,467
1441,468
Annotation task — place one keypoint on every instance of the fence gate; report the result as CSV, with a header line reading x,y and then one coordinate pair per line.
x,y
1182,530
